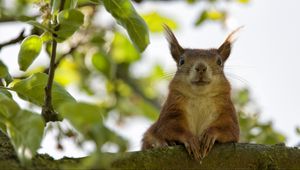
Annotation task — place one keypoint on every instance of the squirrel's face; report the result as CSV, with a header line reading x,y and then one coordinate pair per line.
x,y
199,67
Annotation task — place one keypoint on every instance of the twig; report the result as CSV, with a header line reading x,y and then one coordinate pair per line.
x,y
17,19
47,110
64,55
13,41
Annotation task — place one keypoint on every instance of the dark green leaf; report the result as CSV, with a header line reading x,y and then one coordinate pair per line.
x,y
125,14
30,49
25,130
32,89
69,22
4,73
3,70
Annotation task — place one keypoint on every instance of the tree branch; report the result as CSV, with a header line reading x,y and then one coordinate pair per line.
x,y
222,156
20,37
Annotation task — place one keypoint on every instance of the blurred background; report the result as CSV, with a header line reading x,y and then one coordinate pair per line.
x,y
99,64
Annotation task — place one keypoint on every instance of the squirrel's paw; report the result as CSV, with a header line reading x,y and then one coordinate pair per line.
x,y
207,141
193,148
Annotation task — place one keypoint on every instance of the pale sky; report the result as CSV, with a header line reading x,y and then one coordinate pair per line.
x,y
266,57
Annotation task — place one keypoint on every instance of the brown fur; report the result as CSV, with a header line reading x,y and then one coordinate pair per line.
x,y
198,111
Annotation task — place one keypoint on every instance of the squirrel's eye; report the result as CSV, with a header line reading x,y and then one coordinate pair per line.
x,y
181,61
219,62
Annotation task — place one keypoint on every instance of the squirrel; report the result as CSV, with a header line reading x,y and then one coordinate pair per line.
x,y
198,111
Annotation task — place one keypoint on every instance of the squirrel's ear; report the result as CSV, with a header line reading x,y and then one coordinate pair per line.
x,y
175,48
225,49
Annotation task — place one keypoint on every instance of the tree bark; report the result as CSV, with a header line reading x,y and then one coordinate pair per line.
x,y
223,156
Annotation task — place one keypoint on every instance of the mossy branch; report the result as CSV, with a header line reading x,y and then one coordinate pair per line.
x,y
223,156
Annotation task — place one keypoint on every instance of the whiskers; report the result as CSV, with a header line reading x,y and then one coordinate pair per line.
x,y
231,67
234,76
168,75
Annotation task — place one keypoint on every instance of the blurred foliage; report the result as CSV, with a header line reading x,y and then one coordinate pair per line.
x,y
252,129
155,21
97,60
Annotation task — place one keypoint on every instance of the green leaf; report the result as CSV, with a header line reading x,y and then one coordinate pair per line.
x,y
298,130
216,15
211,15
69,22
46,36
88,120
30,49
202,17
68,4
81,115
4,73
8,108
243,1
3,70
125,14
55,6
25,130
122,50
190,1
155,22
243,97
101,62
32,90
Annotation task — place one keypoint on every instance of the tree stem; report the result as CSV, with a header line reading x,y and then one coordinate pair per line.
x,y
48,112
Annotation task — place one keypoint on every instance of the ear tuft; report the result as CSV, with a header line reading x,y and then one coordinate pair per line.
x,y
225,48
175,48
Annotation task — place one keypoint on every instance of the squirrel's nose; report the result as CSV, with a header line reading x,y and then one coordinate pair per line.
x,y
201,68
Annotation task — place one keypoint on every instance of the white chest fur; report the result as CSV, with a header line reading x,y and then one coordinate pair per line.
x,y
200,114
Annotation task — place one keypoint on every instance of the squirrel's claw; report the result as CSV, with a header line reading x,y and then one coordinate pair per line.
x,y
193,148
207,141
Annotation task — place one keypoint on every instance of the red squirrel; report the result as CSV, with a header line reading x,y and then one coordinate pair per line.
x,y
198,111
